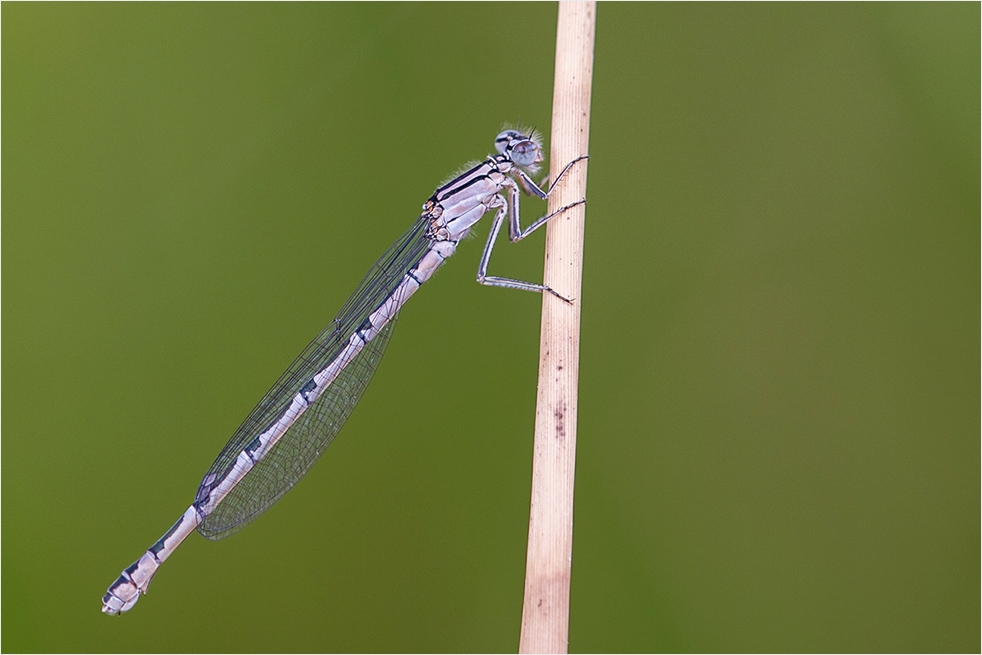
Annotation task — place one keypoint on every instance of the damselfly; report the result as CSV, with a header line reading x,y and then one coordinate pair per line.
x,y
300,416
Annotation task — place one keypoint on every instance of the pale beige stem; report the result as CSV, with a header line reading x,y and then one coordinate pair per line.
x,y
545,613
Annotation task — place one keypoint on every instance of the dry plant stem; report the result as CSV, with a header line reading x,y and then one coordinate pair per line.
x,y
545,613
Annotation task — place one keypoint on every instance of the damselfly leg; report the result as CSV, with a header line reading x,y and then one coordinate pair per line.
x,y
509,207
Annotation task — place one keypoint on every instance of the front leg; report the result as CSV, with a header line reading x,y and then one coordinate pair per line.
x,y
515,231
533,189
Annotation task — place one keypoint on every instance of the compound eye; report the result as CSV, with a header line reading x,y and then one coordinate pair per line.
x,y
524,153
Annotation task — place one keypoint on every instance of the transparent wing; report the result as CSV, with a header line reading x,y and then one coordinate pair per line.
x,y
302,444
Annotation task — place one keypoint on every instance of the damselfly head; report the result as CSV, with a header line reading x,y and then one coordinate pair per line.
x,y
525,151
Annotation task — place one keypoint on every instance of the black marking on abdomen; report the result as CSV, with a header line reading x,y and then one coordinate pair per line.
x,y
367,325
205,489
253,446
307,388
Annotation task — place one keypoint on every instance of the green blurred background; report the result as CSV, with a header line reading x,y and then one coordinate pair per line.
x,y
779,442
